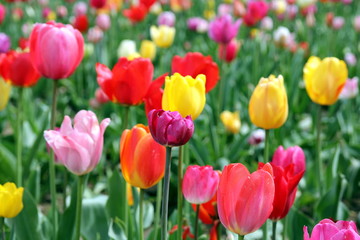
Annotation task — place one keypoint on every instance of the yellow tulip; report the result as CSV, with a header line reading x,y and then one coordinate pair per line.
x,y
11,200
5,89
148,49
324,79
268,106
163,36
184,94
231,121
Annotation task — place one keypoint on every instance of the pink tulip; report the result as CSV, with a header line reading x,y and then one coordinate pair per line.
x,y
350,59
357,23
326,229
293,155
200,184
80,8
338,22
351,88
166,18
78,148
2,13
56,49
245,200
223,30
103,21
228,52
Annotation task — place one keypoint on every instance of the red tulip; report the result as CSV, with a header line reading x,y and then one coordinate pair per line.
x,y
229,51
193,64
97,3
81,23
136,13
244,199
147,3
153,97
23,43
128,82
56,49
18,69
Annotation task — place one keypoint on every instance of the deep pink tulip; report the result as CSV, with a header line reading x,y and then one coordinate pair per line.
x,y
223,30
78,148
170,128
326,229
97,3
56,49
228,52
293,155
2,13
200,184
256,10
245,200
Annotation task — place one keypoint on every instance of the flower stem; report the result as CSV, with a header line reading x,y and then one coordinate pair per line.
x,y
126,206
164,207
141,217
19,138
158,205
240,237
266,149
126,117
197,220
2,227
180,196
52,161
79,207
318,152
274,230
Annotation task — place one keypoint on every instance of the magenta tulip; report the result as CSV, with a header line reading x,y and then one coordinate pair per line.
x,y
200,184
56,49
222,30
326,229
78,148
293,155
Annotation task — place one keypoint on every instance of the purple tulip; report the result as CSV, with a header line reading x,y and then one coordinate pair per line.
x,y
327,229
5,43
166,18
293,155
78,148
170,128
222,30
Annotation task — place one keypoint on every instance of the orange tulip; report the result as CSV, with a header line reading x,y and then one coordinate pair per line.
x,y
142,159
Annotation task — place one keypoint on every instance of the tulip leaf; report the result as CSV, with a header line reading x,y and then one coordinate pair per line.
x,y
148,216
67,223
296,220
115,203
116,230
7,166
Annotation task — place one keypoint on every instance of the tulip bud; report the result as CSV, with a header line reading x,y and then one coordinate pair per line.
x,y
95,34
80,8
229,51
11,200
231,121
163,36
356,23
126,48
170,128
97,3
257,137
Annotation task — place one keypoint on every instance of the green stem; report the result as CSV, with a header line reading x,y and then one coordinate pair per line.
x,y
79,207
274,230
158,205
240,237
141,203
180,196
318,152
265,232
285,227
266,149
52,161
19,138
197,220
126,117
126,206
2,227
64,190
164,207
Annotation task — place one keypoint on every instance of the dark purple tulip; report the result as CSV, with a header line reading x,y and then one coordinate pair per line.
x,y
170,128
222,30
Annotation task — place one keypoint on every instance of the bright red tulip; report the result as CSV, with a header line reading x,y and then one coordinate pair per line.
x,y
56,49
153,97
81,23
23,43
136,13
18,69
244,199
142,159
229,51
193,64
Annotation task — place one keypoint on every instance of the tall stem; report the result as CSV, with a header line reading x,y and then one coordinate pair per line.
x,y
318,152
180,196
197,220
141,217
79,207
240,237
274,230
158,205
52,160
19,138
126,206
266,149
126,117
164,207
2,227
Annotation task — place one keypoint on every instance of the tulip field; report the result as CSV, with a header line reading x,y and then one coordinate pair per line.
x,y
179,119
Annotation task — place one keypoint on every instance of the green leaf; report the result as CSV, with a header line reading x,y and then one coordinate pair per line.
x,y
296,221
115,203
116,230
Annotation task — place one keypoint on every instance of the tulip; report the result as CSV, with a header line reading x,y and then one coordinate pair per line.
x,y
142,159
200,184
338,22
351,89
256,10
154,94
222,30
178,5
244,199
324,79
257,137
2,13
231,121
163,36
268,106
228,52
97,3
56,49
356,23
103,21
5,43
350,59
166,18
5,89
80,8
327,229
267,23
148,49
11,200
81,23
193,64
128,82
170,128
62,11
78,148
95,35
18,69
282,36
136,13
126,48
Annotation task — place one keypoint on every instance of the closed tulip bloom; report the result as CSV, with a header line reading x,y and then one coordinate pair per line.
x,y
142,159
5,89
185,95
193,64
231,121
200,184
327,229
56,49
78,148
11,200
356,23
268,106
148,49
170,128
128,82
163,36
229,51
325,79
244,199
222,30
